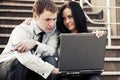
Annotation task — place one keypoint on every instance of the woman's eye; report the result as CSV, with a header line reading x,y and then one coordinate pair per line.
x,y
70,16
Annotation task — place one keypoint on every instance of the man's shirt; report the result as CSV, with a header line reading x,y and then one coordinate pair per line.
x,y
32,59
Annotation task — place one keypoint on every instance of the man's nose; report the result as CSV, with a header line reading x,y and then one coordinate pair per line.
x,y
51,23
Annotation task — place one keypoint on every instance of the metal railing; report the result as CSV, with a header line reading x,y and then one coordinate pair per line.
x,y
108,23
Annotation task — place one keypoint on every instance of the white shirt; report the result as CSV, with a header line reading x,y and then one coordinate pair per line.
x,y
32,61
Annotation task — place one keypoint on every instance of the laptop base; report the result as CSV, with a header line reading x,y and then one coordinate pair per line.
x,y
82,72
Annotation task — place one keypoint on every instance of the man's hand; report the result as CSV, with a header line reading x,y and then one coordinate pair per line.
x,y
55,71
25,45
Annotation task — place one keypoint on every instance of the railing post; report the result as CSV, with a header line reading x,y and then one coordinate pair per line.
x,y
108,21
81,3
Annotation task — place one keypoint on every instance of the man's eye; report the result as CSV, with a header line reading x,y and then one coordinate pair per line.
x,y
54,19
50,19
47,19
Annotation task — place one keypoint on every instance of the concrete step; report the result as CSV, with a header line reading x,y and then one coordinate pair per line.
x,y
112,64
15,13
1,48
110,75
98,28
87,9
95,15
112,51
11,20
7,28
116,41
18,20
58,2
4,39
20,6
28,13
10,3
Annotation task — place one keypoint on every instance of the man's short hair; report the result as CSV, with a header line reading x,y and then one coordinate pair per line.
x,y
40,5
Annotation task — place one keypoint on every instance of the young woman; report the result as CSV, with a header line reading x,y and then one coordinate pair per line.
x,y
71,19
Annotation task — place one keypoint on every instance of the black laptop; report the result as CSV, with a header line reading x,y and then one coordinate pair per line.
x,y
81,53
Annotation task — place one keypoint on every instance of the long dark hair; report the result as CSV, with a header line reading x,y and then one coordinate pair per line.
x,y
78,15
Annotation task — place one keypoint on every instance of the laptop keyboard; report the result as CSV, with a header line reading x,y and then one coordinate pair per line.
x,y
81,72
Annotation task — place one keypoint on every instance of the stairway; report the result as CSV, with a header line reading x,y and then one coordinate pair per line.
x,y
13,12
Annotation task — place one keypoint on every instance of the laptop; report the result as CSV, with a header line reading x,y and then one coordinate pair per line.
x,y
81,53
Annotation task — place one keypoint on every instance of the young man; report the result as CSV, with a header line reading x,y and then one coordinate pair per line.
x,y
34,59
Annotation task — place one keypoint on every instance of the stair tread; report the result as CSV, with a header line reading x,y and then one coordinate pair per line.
x,y
110,73
21,18
12,18
15,10
112,47
112,58
20,5
97,28
7,26
56,1
89,27
16,4
23,0
2,46
30,11
4,35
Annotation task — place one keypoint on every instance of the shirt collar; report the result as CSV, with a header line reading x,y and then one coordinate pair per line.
x,y
36,29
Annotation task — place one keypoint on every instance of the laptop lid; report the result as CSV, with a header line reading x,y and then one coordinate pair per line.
x,y
81,51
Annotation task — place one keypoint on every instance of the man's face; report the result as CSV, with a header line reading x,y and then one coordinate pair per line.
x,y
46,20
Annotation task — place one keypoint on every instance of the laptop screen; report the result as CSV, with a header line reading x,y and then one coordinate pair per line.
x,y
81,51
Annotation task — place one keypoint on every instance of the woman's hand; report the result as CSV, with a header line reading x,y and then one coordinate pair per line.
x,y
27,21
99,33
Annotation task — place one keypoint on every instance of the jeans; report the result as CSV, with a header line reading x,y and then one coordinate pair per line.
x,y
20,72
79,77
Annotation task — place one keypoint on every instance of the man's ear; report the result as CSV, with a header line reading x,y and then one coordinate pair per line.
x,y
35,16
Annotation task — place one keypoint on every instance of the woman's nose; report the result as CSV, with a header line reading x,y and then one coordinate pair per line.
x,y
67,20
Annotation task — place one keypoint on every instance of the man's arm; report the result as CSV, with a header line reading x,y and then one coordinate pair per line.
x,y
48,48
21,37
36,64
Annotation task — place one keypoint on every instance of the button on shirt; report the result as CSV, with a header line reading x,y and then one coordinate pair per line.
x,y
28,59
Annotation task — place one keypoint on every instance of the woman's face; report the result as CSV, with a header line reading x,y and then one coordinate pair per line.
x,y
68,19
